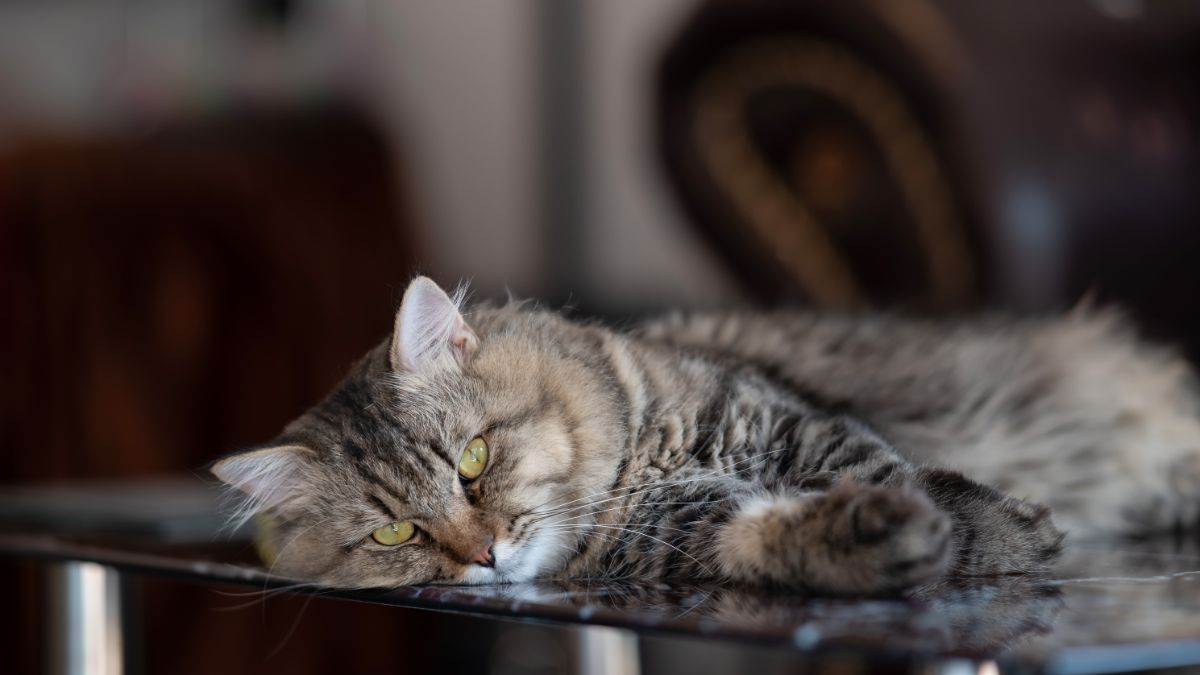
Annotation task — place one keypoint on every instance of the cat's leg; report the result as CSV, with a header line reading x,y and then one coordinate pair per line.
x,y
835,509
853,539
992,533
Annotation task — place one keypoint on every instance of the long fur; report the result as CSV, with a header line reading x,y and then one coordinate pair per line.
x,y
838,453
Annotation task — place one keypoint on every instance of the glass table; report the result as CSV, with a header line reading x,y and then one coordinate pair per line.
x,y
1108,607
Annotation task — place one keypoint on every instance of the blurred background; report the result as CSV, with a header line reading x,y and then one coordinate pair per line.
x,y
209,208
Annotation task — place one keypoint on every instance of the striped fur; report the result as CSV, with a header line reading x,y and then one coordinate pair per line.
x,y
797,450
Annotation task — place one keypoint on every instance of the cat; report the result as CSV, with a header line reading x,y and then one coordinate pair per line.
x,y
830,453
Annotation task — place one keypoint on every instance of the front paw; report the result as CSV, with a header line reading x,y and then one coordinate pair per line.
x,y
852,540
895,536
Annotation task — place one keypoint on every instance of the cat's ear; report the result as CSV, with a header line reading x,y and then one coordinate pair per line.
x,y
430,332
270,477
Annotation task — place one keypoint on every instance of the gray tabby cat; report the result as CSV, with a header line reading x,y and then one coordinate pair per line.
x,y
809,451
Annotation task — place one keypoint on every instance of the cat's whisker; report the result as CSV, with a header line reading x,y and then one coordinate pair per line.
x,y
569,518
256,592
707,595
718,472
703,502
281,551
608,492
664,543
259,600
295,624
583,525
585,533
569,521
571,552
263,595
279,554
637,491
641,489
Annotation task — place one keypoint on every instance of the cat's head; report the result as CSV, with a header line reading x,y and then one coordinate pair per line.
x,y
438,456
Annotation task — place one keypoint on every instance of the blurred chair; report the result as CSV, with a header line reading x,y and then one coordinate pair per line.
x,y
174,298
811,166
943,154
171,298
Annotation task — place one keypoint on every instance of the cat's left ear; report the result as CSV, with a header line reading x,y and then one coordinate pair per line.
x,y
430,332
271,477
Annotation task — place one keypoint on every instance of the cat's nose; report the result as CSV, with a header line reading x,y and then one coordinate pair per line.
x,y
484,556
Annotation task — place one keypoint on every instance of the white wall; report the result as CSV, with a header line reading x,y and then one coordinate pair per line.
x,y
473,129
641,252
457,87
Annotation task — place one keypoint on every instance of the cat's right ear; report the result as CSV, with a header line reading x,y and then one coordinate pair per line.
x,y
430,332
270,477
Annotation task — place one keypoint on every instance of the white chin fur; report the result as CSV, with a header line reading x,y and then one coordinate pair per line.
x,y
542,553
479,575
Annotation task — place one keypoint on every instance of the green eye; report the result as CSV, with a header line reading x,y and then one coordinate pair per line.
x,y
395,534
474,459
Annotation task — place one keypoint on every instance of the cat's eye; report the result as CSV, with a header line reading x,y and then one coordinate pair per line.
x,y
395,533
474,459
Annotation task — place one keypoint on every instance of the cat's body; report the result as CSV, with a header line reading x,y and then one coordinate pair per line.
x,y
1073,411
790,449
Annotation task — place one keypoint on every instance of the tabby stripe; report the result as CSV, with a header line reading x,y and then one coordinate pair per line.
x,y
882,474
627,373
411,455
712,417
675,560
602,359
622,468
834,445
429,457
368,472
383,507
854,455
645,392
440,452
785,458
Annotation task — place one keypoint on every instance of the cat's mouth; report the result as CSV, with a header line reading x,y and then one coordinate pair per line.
x,y
513,561
476,575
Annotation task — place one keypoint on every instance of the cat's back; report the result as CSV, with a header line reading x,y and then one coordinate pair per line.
x,y
895,367
1011,401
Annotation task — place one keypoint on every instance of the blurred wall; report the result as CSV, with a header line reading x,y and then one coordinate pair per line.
x,y
459,88
478,126
455,84
639,251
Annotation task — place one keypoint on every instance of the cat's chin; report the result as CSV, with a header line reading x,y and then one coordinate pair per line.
x,y
477,576
544,552
480,576
511,567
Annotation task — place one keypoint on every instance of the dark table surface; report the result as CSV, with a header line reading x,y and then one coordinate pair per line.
x,y
1108,607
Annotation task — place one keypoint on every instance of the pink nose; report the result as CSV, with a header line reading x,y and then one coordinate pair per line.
x,y
484,556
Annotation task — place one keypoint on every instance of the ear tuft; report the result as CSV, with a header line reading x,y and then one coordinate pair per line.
x,y
430,331
270,477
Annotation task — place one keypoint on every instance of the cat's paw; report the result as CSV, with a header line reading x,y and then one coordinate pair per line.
x,y
995,533
1033,541
854,539
896,536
